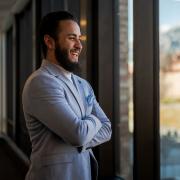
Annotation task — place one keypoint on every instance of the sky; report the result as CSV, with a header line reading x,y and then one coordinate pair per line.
x,y
169,15
130,20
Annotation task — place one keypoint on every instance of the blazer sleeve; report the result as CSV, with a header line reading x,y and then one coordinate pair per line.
x,y
47,103
104,134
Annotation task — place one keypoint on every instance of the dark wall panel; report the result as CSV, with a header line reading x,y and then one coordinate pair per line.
x,y
105,79
74,8
24,69
52,5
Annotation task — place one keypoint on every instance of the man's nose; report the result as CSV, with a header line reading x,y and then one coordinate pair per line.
x,y
78,44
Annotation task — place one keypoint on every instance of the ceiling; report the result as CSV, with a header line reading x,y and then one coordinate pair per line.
x,y
5,9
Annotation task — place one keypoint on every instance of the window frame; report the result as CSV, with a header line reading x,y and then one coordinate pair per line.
x,y
146,90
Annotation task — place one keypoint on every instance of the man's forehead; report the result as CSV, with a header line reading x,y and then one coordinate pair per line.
x,y
69,27
68,24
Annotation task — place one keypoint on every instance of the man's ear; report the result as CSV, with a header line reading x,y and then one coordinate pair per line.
x,y
49,41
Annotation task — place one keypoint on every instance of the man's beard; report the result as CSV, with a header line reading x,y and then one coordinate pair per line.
x,y
64,61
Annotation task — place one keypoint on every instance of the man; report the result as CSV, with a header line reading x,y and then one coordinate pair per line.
x,y
62,115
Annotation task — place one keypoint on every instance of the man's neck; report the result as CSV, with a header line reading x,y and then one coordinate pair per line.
x,y
51,59
65,72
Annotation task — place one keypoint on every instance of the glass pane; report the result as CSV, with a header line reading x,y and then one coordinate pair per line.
x,y
130,86
169,19
124,135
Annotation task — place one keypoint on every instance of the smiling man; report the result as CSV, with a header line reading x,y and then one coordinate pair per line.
x,y
67,45
62,115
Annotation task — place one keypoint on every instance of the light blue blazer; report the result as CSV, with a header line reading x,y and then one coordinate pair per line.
x,y
64,122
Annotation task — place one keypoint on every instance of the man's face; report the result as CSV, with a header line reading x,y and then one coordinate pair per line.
x,y
68,45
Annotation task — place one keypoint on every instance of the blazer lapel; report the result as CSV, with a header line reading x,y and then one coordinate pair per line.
x,y
74,91
80,88
86,95
54,70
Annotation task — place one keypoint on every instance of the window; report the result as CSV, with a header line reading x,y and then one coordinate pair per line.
x,y
10,85
169,33
124,61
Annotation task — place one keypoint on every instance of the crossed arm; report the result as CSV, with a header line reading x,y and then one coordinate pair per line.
x,y
104,133
48,104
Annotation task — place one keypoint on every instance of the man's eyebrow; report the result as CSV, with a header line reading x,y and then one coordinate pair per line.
x,y
71,34
75,35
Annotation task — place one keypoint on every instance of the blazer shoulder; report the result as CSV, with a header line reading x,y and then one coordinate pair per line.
x,y
41,79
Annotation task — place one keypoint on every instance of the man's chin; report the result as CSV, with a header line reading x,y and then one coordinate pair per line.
x,y
72,66
74,61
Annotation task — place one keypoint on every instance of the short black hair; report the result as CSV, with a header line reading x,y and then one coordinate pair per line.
x,y
49,25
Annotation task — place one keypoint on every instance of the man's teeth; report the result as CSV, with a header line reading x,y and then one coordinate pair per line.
x,y
75,54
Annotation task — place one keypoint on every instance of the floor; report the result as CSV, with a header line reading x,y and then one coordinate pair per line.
x,y
11,167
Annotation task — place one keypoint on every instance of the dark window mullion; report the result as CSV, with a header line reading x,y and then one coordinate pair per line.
x,y
146,87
